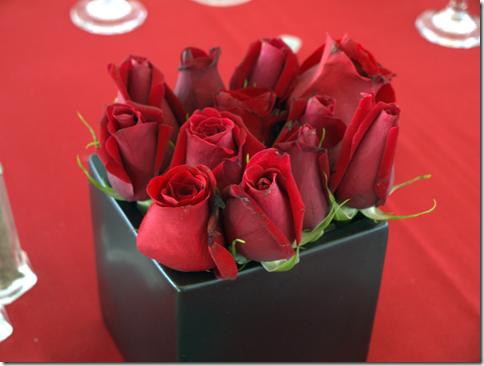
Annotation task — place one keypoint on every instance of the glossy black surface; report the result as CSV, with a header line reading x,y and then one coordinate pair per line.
x,y
321,310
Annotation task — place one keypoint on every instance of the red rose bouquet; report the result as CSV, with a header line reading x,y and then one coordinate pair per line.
x,y
253,172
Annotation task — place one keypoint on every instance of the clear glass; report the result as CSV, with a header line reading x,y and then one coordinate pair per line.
x,y
221,2
16,275
5,326
452,26
108,16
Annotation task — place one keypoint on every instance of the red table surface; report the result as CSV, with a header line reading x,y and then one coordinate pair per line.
x,y
429,304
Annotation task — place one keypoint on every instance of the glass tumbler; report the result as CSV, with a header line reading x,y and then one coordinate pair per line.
x,y
16,275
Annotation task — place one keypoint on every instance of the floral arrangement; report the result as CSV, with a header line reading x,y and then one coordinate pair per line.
x,y
256,170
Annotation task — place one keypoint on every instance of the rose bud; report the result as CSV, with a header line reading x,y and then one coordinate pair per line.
x,y
218,140
310,169
139,81
256,107
134,147
316,112
363,173
269,64
265,211
198,78
177,230
343,70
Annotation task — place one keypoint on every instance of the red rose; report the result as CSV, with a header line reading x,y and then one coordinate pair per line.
x,y
269,64
310,169
177,230
198,78
343,70
139,81
316,112
218,140
134,147
363,172
265,210
256,107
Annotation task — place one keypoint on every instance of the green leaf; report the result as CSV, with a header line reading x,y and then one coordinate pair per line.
x,y
105,188
95,141
246,82
395,187
283,264
377,215
143,206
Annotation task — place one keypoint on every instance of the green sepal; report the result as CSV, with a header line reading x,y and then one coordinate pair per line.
x,y
246,82
342,212
239,258
283,264
376,214
345,213
322,138
95,141
103,187
171,143
310,236
395,187
143,206
318,231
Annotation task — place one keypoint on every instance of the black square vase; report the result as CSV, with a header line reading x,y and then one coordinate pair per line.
x,y
321,310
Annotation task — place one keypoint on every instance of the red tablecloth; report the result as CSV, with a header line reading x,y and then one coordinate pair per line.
x,y
429,305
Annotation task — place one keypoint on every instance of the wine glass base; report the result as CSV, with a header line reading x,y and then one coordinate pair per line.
x,y
221,2
108,17
5,326
445,29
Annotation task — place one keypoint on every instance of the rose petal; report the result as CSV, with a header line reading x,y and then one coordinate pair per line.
x,y
139,80
226,268
268,67
362,173
243,219
275,204
160,237
306,163
270,159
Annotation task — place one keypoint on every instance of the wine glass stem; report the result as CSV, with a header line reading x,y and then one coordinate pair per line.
x,y
459,9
